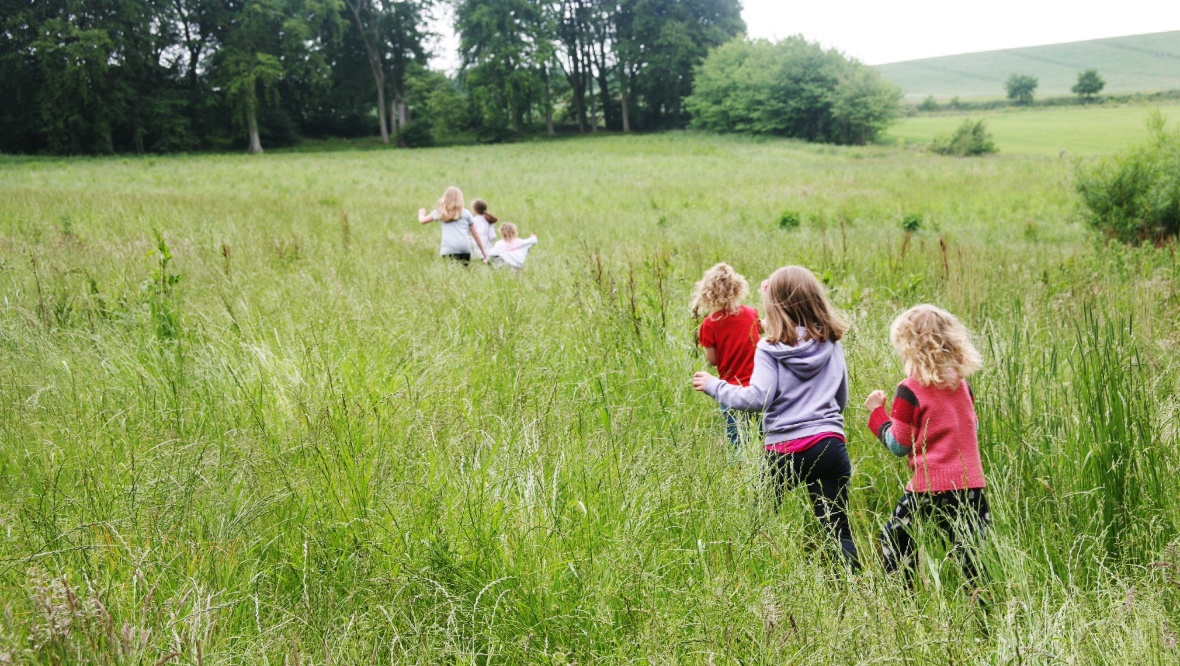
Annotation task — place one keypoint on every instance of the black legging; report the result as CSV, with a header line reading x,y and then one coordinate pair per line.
x,y
962,515
826,470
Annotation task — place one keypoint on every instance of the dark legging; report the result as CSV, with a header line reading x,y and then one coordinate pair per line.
x,y
826,470
962,515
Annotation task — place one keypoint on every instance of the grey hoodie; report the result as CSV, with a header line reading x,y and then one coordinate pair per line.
x,y
802,389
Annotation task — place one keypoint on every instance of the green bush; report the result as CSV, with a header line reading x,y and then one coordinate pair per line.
x,y
911,222
1135,196
928,104
789,220
792,88
971,138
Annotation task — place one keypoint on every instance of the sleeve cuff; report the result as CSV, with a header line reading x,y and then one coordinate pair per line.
x,y
877,419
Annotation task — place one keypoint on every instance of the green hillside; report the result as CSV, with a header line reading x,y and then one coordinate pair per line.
x,y
1140,63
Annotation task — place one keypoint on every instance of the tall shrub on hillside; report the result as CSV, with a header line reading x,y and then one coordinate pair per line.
x,y
792,88
1135,196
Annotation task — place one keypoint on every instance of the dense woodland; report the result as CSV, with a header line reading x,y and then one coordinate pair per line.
x,y
104,76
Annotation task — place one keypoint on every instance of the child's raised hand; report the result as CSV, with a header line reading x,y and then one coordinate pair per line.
x,y
876,399
700,380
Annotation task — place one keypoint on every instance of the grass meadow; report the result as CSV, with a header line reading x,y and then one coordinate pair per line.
x,y
1078,131
249,416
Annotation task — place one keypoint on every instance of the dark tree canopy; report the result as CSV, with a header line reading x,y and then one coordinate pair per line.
x,y
1089,84
792,88
1021,88
101,76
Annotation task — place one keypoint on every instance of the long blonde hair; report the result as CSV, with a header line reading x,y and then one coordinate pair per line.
x,y
721,289
450,206
935,346
794,299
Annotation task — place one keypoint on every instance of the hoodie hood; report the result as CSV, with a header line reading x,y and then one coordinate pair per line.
x,y
805,360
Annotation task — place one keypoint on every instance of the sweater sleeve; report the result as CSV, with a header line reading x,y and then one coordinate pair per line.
x,y
842,390
897,430
752,398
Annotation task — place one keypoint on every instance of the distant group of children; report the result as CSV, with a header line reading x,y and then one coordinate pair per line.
x,y
789,366
465,235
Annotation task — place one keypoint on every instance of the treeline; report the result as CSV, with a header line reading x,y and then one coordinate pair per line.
x,y
102,76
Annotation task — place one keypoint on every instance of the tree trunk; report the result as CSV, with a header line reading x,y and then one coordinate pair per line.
x,y
623,92
375,68
548,105
252,127
380,81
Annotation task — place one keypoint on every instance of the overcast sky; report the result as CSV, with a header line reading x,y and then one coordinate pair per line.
x,y
881,31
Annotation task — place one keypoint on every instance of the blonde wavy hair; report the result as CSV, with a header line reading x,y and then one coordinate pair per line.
x,y
935,346
450,206
508,231
721,289
792,299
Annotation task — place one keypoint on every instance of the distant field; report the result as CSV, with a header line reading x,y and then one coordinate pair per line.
x,y
1044,131
1140,63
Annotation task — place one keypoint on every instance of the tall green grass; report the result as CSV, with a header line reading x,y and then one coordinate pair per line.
x,y
284,431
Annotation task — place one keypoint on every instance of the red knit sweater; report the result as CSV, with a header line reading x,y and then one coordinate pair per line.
x,y
938,427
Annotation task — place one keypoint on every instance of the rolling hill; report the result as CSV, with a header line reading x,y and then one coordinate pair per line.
x,y
1139,63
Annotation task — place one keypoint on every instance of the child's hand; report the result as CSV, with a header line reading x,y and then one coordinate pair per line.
x,y
700,380
876,399
421,212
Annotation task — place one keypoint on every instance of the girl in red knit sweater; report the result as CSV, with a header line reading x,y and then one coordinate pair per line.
x,y
933,424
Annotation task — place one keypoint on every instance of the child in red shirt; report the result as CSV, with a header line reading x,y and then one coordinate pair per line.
x,y
933,424
729,335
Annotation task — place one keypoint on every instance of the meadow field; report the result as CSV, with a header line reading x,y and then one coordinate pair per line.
x,y
250,416
1079,131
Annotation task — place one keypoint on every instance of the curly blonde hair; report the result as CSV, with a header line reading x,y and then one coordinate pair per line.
x,y
794,299
450,206
935,346
721,289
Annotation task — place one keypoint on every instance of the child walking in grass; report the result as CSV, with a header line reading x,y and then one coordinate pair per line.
x,y
511,250
456,222
729,334
800,383
933,424
483,226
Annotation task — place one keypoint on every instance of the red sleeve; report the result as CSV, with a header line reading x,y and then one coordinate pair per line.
x,y
707,338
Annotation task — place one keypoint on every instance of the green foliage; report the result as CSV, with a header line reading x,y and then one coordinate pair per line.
x,y
1089,84
417,134
789,220
928,104
1135,196
911,222
970,139
1021,87
160,292
791,88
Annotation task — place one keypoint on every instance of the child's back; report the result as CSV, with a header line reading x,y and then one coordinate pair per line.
x,y
734,336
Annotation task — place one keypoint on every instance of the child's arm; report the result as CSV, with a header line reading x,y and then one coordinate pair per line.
x,y
424,217
711,356
896,430
752,398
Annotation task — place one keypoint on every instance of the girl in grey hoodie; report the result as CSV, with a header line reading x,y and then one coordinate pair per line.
x,y
800,384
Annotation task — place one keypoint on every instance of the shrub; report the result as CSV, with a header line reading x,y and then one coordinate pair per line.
x,y
791,88
417,134
911,222
789,220
928,104
971,138
1135,196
